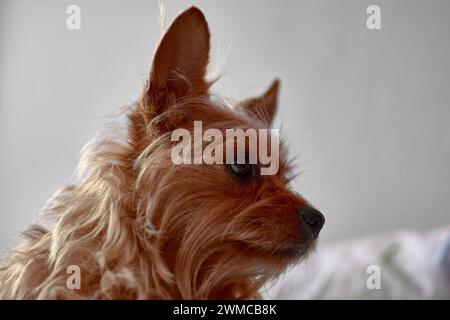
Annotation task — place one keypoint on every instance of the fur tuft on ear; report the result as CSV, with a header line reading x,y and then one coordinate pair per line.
x,y
180,62
263,107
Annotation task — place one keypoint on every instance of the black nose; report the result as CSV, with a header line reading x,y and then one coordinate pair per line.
x,y
313,220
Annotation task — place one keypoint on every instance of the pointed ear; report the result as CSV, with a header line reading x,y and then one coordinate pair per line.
x,y
264,106
180,62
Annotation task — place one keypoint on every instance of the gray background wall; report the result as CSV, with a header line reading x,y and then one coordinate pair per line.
x,y
366,111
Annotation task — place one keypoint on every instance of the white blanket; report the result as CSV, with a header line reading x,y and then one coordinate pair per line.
x,y
410,265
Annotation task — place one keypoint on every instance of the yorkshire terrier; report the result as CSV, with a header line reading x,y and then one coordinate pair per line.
x,y
136,225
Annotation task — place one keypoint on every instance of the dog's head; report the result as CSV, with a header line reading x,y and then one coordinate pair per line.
x,y
223,227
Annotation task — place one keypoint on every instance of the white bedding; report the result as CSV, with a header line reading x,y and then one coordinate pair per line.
x,y
412,266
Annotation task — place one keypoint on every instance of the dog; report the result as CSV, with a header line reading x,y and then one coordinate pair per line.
x,y
137,226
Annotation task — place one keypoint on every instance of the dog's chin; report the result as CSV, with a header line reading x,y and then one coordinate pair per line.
x,y
298,251
281,255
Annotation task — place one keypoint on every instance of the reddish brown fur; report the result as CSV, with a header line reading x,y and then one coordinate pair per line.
x,y
139,226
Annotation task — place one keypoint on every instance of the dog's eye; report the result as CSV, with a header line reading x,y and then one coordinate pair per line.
x,y
243,169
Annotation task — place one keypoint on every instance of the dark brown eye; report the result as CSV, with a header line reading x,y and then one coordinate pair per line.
x,y
243,169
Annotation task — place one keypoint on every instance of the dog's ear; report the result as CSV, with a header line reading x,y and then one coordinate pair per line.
x,y
264,106
180,62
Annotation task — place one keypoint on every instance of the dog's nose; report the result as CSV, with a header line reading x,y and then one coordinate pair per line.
x,y
312,219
